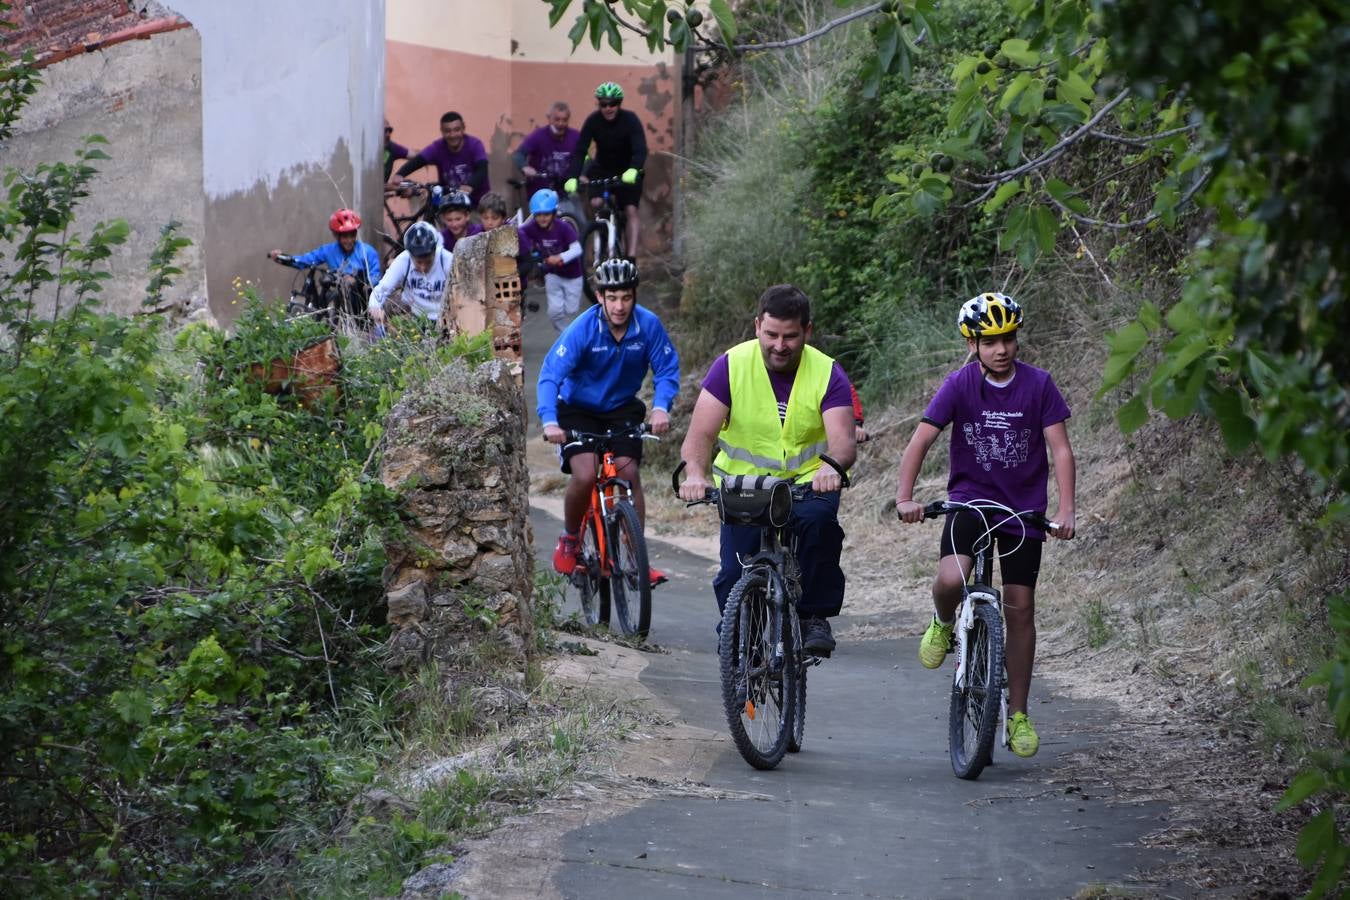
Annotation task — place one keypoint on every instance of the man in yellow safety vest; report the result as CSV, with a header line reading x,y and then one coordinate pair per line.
x,y
772,406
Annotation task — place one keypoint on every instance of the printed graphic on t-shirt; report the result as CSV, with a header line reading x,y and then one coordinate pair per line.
x,y
996,440
426,285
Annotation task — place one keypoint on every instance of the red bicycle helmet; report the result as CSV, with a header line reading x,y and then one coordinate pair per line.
x,y
344,221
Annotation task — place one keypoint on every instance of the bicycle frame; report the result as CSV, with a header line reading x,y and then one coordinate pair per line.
x,y
607,491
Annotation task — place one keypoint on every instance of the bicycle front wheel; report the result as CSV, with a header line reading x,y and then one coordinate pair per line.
x,y
586,583
756,677
975,706
799,687
630,588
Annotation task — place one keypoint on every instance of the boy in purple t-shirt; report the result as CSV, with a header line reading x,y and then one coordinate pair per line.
x,y
454,216
460,159
559,248
1004,414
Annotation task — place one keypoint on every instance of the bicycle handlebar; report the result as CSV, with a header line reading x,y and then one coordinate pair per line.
x,y
943,507
599,441
799,491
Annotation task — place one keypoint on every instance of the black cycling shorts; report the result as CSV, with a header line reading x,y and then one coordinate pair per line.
x,y
1020,566
629,415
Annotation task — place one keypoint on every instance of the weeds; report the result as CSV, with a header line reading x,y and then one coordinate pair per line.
x,y
1096,627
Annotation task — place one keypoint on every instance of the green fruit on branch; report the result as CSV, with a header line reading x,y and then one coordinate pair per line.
x,y
694,18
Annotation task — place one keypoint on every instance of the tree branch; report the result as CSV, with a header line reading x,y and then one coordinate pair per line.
x,y
800,39
1047,156
1136,223
1141,141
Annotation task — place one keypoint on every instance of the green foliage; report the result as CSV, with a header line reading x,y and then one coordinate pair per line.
x,y
190,569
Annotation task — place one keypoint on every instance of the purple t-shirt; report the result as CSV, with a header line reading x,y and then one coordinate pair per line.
x,y
998,435
551,154
449,239
838,393
453,168
559,236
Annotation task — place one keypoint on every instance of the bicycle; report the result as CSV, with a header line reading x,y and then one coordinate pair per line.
x,y
604,238
611,570
979,702
761,661
320,292
424,210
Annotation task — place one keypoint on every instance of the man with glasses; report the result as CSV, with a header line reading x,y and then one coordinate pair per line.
x,y
620,149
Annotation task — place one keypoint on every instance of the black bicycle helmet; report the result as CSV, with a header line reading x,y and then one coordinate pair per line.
x,y
455,200
616,274
421,239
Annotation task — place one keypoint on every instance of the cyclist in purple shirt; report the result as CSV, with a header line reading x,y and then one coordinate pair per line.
x,y
460,159
1004,414
546,153
454,213
559,249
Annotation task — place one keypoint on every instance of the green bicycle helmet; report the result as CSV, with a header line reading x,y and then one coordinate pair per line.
x,y
609,90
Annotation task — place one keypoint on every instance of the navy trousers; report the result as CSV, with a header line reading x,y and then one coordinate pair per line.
x,y
820,540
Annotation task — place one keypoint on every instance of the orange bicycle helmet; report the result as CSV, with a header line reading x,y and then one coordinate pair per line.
x,y
989,314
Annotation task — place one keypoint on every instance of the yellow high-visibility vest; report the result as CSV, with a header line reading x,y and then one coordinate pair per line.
x,y
755,441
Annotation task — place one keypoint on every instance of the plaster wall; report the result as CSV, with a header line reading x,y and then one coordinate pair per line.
x,y
143,96
291,100
501,66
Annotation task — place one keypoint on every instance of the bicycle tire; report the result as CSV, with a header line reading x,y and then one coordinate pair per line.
x,y
799,701
755,695
593,252
629,576
973,716
586,584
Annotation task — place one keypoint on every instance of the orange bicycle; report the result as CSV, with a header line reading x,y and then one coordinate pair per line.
x,y
611,573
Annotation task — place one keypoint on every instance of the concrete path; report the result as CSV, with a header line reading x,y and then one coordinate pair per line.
x,y
870,807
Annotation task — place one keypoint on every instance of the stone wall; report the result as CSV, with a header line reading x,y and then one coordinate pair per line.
x,y
456,453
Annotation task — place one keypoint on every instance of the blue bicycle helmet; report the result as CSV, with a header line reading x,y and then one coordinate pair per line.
x,y
544,201
421,239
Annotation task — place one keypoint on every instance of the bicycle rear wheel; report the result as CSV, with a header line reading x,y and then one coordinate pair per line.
x,y
973,716
586,585
756,693
799,683
630,588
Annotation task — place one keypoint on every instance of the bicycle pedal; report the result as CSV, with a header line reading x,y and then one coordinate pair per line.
x,y
814,657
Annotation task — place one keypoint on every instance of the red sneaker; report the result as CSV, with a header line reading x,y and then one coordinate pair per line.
x,y
565,554
656,576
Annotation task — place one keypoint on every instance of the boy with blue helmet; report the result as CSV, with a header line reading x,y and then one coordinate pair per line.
x,y
559,248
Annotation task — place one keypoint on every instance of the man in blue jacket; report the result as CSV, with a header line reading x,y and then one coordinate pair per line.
x,y
589,382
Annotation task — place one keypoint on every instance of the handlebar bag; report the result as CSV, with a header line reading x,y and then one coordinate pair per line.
x,y
759,500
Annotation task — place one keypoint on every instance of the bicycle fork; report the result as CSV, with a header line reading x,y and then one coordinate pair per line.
x,y
965,623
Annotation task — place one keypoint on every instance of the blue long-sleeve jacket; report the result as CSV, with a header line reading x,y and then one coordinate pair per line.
x,y
363,260
586,367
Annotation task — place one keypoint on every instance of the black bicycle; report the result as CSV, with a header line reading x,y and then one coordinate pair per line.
x,y
423,200
979,704
605,236
320,292
760,655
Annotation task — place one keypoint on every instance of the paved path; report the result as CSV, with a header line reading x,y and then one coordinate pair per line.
x,y
870,807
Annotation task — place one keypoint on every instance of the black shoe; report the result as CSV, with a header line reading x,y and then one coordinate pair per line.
x,y
817,638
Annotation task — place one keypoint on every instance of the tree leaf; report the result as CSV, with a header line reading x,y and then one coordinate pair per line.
x,y
1005,192
1301,788
1046,227
1015,87
726,20
1019,51
888,41
1132,415
1316,838
1125,345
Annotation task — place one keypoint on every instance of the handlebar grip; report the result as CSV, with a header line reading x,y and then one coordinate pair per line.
x,y
838,468
675,478
935,509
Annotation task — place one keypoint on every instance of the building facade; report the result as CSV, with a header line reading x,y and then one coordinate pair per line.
x,y
500,65
248,122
